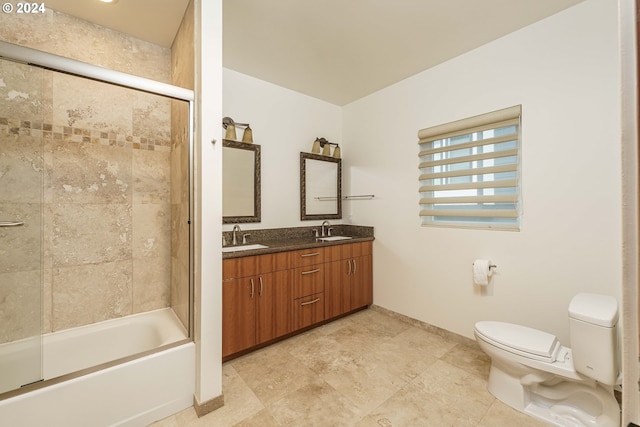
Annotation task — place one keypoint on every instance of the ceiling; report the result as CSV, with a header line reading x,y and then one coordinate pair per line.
x,y
335,50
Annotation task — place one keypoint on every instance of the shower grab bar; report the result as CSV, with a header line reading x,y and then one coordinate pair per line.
x,y
11,223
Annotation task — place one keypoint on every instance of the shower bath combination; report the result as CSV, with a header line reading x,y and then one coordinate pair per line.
x,y
95,181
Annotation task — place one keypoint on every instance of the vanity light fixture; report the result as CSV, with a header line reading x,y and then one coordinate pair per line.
x,y
326,148
109,1
230,134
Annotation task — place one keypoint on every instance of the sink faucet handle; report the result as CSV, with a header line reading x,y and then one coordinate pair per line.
x,y
329,231
315,231
224,241
244,238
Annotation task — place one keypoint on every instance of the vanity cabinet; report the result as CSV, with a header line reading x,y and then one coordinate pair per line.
x,y
256,302
348,278
265,297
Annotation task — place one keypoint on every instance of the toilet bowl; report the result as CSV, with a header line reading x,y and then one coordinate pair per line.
x,y
532,372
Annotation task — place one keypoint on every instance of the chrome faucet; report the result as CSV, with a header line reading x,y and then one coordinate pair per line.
x,y
234,238
325,222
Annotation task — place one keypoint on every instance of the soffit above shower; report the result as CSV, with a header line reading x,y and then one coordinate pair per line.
x,y
335,50
156,21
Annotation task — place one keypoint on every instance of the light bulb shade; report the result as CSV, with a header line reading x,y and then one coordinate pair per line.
x,y
316,146
247,135
336,152
230,133
326,150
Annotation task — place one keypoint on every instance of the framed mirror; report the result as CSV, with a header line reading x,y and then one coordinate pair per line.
x,y
240,182
320,187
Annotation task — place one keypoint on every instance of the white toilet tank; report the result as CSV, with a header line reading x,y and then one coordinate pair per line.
x,y
593,321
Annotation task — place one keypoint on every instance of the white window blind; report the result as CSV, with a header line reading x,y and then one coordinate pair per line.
x,y
469,172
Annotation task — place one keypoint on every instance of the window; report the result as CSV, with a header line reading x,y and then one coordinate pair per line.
x,y
469,172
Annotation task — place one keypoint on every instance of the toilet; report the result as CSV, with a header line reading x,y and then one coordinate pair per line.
x,y
533,373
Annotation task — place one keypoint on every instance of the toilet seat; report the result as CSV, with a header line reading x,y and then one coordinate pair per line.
x,y
520,340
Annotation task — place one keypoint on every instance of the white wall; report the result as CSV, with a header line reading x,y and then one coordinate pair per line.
x,y
208,203
284,123
565,73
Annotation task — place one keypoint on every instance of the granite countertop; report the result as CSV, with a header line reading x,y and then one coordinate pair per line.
x,y
291,239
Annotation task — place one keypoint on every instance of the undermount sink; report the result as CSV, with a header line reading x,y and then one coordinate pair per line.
x,y
243,248
333,238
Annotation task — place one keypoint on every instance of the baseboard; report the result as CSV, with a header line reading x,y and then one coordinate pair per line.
x,y
426,326
209,406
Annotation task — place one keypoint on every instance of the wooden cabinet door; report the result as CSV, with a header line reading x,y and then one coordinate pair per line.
x,y
273,317
238,315
361,281
337,288
308,311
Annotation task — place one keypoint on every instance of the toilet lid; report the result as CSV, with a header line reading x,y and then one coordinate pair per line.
x,y
532,342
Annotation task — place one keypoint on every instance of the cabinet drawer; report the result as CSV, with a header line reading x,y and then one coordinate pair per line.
x,y
346,251
308,280
247,266
308,311
361,248
306,257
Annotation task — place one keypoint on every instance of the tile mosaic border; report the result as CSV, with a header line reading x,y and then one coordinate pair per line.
x,y
79,135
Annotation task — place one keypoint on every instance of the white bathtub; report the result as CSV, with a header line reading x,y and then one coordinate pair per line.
x,y
133,393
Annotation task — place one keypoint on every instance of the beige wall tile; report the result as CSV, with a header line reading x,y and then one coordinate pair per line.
x,y
91,293
74,38
91,173
151,176
105,153
21,247
151,284
91,234
21,166
20,296
21,91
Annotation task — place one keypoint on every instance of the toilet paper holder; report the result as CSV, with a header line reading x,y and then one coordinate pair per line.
x,y
491,266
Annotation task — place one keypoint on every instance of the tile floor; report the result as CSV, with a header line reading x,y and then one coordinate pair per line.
x,y
368,369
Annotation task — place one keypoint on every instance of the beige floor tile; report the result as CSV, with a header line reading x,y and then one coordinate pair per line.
x,y
471,359
261,419
365,383
456,389
367,369
410,407
240,403
271,373
315,404
325,355
500,414
411,352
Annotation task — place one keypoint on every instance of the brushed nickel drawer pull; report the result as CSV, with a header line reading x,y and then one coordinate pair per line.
x,y
260,286
252,288
312,254
309,272
310,302
349,264
354,266
11,223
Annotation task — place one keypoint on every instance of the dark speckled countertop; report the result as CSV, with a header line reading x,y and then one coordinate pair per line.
x,y
291,239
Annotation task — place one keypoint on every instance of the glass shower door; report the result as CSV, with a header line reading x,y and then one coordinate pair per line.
x,y
22,107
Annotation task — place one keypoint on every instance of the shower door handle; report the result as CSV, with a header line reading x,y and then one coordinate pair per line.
x,y
11,223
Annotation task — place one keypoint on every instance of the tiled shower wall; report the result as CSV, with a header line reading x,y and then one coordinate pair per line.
x,y
106,165
182,74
